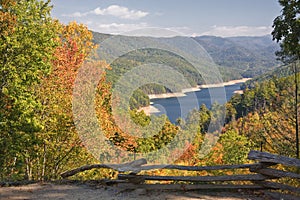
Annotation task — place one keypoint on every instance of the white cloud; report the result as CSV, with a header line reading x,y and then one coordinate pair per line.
x,y
113,10
230,31
116,28
121,12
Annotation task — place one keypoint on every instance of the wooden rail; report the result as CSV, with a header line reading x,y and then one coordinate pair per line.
x,y
262,174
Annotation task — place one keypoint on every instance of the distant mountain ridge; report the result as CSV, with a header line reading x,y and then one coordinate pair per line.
x,y
251,56
243,56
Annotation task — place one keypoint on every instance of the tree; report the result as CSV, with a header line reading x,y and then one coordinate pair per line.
x,y
26,50
235,147
287,31
61,146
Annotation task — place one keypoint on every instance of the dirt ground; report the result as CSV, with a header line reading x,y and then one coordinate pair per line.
x,y
47,191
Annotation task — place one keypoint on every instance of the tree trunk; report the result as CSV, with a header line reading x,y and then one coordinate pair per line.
x,y
44,163
28,169
296,108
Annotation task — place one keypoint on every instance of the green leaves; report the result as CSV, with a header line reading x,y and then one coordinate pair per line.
x,y
25,57
236,147
287,29
26,50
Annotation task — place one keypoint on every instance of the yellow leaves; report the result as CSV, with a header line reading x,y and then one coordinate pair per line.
x,y
6,4
79,33
7,18
217,156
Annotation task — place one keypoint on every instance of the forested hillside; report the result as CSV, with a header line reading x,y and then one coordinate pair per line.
x,y
279,72
237,56
265,114
250,56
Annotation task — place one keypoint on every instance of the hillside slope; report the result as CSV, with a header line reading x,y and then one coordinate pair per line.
x,y
236,56
251,56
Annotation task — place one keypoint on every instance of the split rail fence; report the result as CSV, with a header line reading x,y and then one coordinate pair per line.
x,y
265,174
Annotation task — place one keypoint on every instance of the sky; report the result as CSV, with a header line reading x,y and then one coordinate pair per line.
x,y
223,18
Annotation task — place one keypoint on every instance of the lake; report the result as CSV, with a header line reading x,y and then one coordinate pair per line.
x,y
180,106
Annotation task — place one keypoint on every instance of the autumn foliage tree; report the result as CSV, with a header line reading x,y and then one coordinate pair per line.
x,y
62,147
40,59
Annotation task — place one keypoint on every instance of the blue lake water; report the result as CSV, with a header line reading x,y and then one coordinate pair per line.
x,y
176,107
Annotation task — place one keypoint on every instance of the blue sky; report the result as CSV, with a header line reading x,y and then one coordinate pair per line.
x,y
185,17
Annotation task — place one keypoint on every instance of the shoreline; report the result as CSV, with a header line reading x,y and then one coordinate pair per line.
x,y
148,110
195,89
175,94
232,82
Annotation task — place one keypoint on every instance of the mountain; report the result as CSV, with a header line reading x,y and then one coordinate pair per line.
x,y
250,56
238,56
181,53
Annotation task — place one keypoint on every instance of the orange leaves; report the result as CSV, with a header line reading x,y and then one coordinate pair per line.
x,y
217,156
80,34
67,61
189,155
75,46
56,90
7,18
